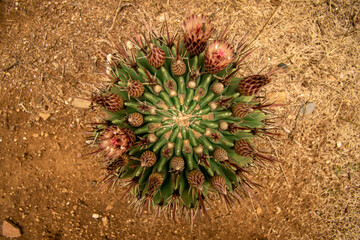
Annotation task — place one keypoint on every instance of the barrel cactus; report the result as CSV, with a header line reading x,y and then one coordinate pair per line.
x,y
181,123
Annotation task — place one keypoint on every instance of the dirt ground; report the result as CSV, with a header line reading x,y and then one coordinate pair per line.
x,y
50,51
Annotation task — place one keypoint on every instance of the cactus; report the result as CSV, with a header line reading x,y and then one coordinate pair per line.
x,y
181,123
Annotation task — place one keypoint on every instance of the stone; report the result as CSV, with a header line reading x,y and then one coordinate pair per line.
x,y
105,221
277,210
109,207
129,45
162,17
277,97
10,230
45,116
81,103
95,215
307,108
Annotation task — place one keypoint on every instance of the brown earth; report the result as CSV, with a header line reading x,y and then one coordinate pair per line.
x,y
50,51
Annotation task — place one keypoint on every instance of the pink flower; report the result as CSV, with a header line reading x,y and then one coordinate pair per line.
x,y
197,30
218,56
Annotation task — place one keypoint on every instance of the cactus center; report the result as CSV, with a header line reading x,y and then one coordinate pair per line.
x,y
183,120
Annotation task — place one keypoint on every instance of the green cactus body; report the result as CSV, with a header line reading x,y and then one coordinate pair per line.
x,y
179,132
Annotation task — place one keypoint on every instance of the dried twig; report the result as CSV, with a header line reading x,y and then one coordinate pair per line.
x,y
350,121
11,66
265,25
118,10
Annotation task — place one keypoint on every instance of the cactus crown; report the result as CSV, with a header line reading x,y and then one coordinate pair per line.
x,y
177,134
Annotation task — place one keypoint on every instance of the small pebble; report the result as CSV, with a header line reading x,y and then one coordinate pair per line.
x,y
81,103
277,210
45,116
163,17
105,221
10,230
129,45
307,108
95,215
277,97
